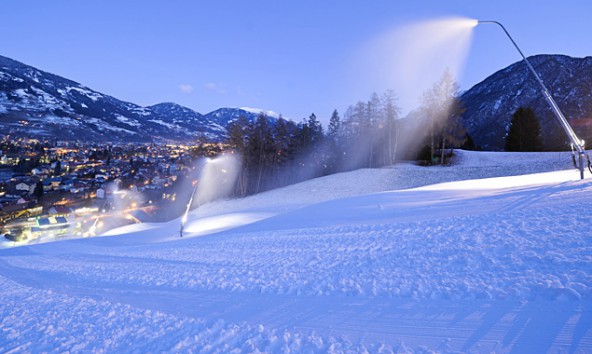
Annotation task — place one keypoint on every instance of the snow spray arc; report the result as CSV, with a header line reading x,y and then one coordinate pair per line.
x,y
410,58
217,178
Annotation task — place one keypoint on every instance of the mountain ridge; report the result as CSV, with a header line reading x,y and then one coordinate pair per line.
x,y
41,104
490,103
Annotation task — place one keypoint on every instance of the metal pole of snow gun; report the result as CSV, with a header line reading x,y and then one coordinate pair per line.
x,y
576,143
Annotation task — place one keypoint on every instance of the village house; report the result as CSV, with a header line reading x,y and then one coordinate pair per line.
x,y
66,185
55,183
38,171
26,186
18,208
47,186
81,179
59,210
19,186
158,181
79,187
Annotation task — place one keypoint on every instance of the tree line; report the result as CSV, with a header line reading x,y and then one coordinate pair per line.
x,y
370,134
278,152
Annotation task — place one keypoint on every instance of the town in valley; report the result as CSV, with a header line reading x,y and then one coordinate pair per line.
x,y
53,189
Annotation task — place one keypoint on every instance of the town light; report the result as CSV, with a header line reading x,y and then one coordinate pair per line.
x,y
575,141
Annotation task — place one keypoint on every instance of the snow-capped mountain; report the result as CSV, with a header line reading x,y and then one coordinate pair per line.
x,y
189,119
225,116
42,104
35,103
491,103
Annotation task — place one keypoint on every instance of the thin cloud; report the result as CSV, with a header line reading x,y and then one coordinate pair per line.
x,y
217,88
240,92
186,88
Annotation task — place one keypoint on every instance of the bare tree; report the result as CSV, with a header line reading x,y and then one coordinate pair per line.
x,y
442,107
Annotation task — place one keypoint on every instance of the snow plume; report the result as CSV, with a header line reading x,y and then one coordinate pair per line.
x,y
409,59
312,163
116,209
217,178
125,199
206,180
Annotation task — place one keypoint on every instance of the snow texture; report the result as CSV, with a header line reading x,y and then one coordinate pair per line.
x,y
353,262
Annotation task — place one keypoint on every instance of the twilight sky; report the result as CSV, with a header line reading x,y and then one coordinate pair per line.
x,y
291,57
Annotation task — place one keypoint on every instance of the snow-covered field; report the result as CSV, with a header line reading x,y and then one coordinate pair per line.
x,y
354,262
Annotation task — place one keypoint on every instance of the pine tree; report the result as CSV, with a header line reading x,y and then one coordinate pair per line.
x,y
260,150
302,137
237,134
334,126
524,133
454,133
372,127
282,141
469,144
57,171
334,133
315,129
238,137
38,192
391,114
360,141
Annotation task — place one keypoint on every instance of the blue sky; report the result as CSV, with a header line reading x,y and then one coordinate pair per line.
x,y
292,57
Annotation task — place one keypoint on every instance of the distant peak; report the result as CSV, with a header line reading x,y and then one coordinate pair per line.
x,y
259,111
11,63
172,105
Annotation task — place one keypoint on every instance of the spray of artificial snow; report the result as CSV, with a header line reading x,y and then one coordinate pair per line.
x,y
411,58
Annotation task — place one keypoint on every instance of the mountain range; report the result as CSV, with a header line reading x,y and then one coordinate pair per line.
x,y
40,104
35,103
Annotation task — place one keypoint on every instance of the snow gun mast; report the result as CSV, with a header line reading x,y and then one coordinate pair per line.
x,y
576,143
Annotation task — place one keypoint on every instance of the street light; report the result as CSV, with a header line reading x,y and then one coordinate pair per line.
x,y
575,142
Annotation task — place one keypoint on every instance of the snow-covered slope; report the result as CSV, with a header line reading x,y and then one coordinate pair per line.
x,y
490,265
